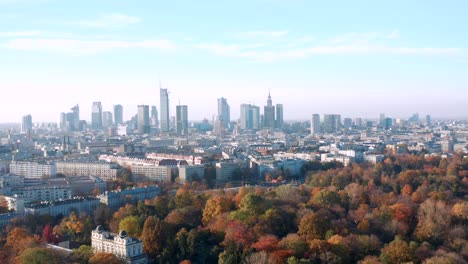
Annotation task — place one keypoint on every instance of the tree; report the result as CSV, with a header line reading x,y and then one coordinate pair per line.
x,y
326,198
398,251
131,224
39,256
313,226
105,258
215,206
433,220
154,236
267,243
82,254
48,234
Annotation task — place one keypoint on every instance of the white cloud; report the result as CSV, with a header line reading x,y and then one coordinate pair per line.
x,y
83,47
394,34
109,21
28,33
264,34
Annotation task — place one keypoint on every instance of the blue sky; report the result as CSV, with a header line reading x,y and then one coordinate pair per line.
x,y
357,58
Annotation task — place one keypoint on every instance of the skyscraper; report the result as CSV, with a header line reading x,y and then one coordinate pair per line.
x,y
182,120
315,124
63,121
26,124
154,116
118,114
279,116
164,109
224,112
428,120
250,117
96,116
269,114
107,119
143,121
331,123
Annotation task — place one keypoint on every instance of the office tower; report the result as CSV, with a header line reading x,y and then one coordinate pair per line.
x,y
118,114
331,123
63,121
164,109
26,125
182,120
143,120
315,124
224,112
358,122
414,118
70,124
388,123
269,114
348,123
250,117
279,116
428,120
382,120
76,113
96,116
154,116
107,119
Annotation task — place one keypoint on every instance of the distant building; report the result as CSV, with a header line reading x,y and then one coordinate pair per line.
x,y
143,119
118,114
129,249
279,116
116,199
250,117
164,109
189,173
224,112
33,169
65,207
104,170
225,170
428,120
107,120
154,116
447,146
96,116
331,123
182,120
315,124
26,125
152,173
269,114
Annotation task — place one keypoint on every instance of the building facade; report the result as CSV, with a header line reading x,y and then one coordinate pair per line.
x,y
182,120
104,170
143,122
164,109
129,249
118,114
96,115
33,169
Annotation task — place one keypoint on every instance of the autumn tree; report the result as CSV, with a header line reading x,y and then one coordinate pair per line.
x,y
313,226
107,258
398,251
131,224
154,236
433,220
215,206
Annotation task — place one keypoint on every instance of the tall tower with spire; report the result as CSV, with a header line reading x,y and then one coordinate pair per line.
x,y
269,114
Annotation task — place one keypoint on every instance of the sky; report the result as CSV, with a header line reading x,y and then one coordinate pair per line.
x,y
355,58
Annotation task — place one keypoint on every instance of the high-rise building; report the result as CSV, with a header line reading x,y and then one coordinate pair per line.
x,y
279,116
315,124
154,116
76,112
414,118
118,114
428,120
269,114
96,116
26,125
63,121
347,123
224,112
164,109
382,120
331,123
250,117
143,121
182,120
107,119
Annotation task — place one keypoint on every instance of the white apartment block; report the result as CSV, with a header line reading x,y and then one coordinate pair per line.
x,y
124,247
105,171
152,173
186,173
33,169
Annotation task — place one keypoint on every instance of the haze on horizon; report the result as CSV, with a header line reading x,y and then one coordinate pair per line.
x,y
357,60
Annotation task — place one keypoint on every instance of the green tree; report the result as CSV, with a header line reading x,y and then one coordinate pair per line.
x,y
313,226
39,256
398,251
131,224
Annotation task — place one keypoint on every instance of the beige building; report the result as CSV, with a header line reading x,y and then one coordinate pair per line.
x,y
104,170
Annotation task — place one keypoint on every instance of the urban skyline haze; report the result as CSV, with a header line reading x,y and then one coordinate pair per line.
x,y
358,60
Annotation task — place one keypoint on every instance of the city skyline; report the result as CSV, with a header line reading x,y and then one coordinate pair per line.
x,y
356,60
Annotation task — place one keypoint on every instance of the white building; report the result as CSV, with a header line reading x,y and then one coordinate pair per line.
x,y
225,170
124,247
33,169
152,173
104,170
65,207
